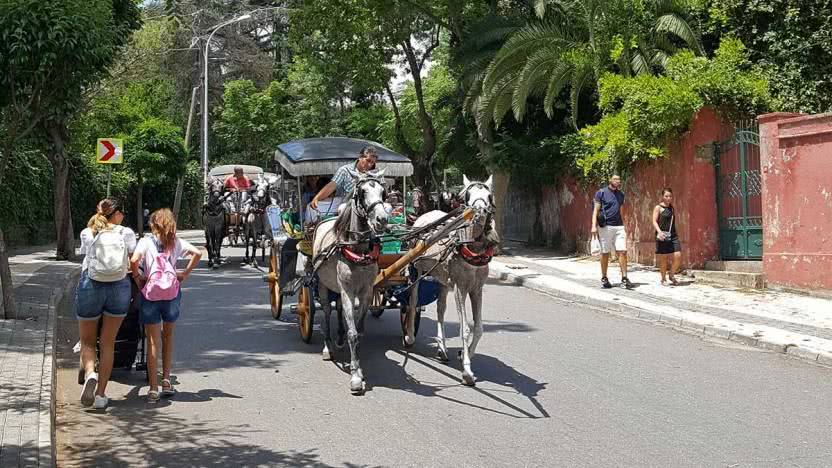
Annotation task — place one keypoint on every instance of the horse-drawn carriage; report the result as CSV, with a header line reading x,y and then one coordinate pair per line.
x,y
238,214
365,250
294,230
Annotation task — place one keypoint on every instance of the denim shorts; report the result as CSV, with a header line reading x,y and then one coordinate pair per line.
x,y
155,312
94,298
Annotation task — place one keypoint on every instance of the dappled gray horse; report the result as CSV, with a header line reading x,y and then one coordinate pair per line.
x,y
255,223
345,257
464,268
213,218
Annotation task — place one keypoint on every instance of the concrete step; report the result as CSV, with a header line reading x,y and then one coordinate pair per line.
x,y
745,266
731,278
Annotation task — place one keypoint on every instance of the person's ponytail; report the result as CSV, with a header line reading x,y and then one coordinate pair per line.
x,y
103,211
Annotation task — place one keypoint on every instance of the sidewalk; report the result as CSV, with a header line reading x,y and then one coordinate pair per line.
x,y
788,323
26,357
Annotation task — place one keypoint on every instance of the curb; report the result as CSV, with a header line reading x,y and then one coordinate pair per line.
x,y
46,406
505,274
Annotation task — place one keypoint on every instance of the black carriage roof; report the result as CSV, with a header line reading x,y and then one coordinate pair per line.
x,y
323,156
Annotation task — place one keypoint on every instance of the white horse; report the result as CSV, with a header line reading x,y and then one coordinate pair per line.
x,y
466,270
345,255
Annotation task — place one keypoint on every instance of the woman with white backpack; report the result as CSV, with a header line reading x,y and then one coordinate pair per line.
x,y
103,292
154,269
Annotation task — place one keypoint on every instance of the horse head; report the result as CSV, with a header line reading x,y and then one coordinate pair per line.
x,y
368,199
478,196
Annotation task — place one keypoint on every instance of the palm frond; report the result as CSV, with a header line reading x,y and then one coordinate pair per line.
x,y
533,79
560,77
521,46
677,26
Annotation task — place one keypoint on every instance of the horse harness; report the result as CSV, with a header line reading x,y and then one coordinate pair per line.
x,y
346,248
463,249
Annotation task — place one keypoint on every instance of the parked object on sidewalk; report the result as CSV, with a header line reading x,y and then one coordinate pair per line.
x,y
608,228
159,316
668,247
103,292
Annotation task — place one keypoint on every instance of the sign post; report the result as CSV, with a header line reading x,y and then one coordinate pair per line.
x,y
109,151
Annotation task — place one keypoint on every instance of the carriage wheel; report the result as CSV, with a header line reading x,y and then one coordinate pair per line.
x,y
306,313
415,323
274,284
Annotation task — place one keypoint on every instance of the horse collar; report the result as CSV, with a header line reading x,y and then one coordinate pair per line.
x,y
476,259
361,259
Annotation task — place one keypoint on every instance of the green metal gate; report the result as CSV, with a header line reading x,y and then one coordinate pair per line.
x,y
739,194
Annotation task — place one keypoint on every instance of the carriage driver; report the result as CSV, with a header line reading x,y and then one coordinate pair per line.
x,y
342,183
237,182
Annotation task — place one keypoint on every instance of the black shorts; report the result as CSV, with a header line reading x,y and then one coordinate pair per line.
x,y
668,246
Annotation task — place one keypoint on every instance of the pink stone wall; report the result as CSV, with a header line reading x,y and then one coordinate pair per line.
x,y
796,164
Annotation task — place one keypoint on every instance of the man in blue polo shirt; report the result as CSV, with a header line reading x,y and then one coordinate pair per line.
x,y
608,226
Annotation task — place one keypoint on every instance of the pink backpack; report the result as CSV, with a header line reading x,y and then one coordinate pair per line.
x,y
162,284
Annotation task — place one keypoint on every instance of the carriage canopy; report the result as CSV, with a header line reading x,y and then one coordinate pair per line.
x,y
323,156
224,171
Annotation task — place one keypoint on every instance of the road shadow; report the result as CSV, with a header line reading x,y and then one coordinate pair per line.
x,y
381,370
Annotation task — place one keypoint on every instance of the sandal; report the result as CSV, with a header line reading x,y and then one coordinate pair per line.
x,y
167,389
153,396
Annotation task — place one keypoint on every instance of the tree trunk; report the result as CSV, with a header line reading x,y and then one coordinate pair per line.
x,y
425,120
180,182
7,305
139,207
58,136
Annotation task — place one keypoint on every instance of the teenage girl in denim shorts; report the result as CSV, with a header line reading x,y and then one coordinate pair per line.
x,y
97,300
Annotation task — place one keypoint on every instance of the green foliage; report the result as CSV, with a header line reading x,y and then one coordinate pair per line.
x,y
790,39
568,46
155,149
439,87
28,189
642,114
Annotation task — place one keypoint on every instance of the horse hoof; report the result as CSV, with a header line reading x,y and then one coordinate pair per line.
x,y
357,386
326,356
442,356
468,380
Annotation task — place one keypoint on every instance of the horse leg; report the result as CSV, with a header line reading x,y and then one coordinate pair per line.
x,y
476,311
326,306
441,306
467,375
410,317
342,329
356,379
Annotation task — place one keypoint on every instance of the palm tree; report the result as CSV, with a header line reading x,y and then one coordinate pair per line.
x,y
571,43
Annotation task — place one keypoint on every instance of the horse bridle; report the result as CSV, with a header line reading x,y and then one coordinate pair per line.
x,y
358,201
488,209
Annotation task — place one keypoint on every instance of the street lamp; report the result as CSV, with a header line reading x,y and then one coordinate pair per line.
x,y
205,96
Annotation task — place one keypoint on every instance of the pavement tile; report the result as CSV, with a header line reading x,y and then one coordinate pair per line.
x,y
26,359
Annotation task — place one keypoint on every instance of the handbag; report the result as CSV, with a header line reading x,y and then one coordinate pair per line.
x,y
667,234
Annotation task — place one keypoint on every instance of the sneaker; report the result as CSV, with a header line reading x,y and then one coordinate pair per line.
x,y
625,283
100,402
605,283
88,393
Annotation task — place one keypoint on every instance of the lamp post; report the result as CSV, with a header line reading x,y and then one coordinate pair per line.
x,y
205,96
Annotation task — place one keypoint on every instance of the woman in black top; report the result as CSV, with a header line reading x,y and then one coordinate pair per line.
x,y
667,241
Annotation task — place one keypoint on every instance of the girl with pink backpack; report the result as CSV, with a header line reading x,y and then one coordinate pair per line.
x,y
154,269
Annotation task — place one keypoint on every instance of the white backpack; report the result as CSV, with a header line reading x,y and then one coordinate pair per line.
x,y
108,256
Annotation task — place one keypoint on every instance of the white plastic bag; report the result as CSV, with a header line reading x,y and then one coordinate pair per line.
x,y
595,246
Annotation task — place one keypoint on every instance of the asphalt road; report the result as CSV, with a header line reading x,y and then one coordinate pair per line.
x,y
559,385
